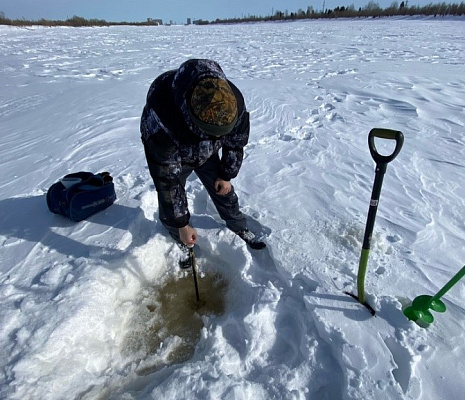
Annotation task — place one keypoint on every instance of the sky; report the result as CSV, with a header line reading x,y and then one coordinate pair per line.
x,y
173,10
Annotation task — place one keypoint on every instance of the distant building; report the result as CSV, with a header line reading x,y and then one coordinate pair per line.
x,y
152,21
2,15
189,21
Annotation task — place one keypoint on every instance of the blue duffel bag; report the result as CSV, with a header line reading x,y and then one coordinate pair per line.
x,y
78,196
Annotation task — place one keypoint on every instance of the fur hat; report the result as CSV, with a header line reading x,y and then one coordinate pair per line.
x,y
213,106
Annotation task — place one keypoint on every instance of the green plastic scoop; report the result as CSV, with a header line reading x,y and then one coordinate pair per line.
x,y
421,305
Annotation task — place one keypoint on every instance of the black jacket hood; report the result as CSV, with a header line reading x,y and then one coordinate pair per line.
x,y
191,72
185,79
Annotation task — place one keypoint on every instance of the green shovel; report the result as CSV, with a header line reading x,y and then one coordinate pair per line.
x,y
381,165
421,305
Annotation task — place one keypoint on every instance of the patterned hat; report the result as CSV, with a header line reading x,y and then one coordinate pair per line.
x,y
213,106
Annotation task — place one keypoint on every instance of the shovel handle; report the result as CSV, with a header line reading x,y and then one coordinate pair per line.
x,y
389,134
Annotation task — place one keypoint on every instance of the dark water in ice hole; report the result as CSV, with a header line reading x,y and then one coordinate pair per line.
x,y
171,310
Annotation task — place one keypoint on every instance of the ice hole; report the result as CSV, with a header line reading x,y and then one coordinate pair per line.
x,y
168,322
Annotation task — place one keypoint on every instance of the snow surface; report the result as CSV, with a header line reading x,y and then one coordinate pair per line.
x,y
99,309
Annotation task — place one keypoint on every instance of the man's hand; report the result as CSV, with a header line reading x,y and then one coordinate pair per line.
x,y
188,235
222,187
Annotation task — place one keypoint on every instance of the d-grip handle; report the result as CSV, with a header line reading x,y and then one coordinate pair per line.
x,y
389,134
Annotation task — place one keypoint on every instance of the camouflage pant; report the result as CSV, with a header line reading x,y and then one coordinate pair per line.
x,y
227,206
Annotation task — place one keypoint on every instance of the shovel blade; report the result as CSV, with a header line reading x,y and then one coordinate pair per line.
x,y
370,308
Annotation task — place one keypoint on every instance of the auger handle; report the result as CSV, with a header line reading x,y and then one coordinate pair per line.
x,y
390,134
459,275
194,271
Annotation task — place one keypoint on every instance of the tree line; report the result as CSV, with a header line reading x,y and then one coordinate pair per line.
x,y
71,22
371,10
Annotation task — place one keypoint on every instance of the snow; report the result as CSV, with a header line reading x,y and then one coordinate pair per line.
x,y
99,309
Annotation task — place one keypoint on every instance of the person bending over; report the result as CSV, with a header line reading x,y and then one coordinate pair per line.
x,y
190,114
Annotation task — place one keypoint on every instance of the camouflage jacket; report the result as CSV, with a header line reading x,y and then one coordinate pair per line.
x,y
172,140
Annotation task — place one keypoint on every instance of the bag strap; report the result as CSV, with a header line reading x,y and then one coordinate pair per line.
x,y
89,178
107,178
93,182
